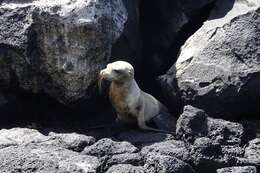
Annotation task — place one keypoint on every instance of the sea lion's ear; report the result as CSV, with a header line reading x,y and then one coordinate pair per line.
x,y
131,72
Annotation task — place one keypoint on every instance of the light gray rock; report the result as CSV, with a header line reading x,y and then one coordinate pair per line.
x,y
106,146
34,158
58,46
28,150
194,123
72,141
162,163
20,136
173,148
126,168
238,169
218,66
252,153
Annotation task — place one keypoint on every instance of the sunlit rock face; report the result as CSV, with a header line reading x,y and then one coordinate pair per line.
x,y
218,67
57,46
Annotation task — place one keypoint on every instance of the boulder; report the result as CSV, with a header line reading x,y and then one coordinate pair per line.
x,y
34,158
218,66
28,150
20,136
194,123
57,47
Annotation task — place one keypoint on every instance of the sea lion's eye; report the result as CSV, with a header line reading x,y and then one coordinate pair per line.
x,y
117,71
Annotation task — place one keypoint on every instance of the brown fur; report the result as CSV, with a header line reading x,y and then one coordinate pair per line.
x,y
117,95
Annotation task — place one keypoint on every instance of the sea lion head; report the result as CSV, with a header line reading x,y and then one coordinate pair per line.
x,y
119,71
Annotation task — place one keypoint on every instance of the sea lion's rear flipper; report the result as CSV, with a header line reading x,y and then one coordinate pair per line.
x,y
165,121
142,125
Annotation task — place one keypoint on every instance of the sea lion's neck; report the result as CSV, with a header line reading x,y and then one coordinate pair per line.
x,y
126,86
122,91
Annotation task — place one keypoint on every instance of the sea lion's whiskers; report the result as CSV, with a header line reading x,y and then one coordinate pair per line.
x,y
100,80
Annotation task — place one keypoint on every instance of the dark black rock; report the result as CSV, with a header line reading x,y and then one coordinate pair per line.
x,y
207,156
218,67
161,163
194,123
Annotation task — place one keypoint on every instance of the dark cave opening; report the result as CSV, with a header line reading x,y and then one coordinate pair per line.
x,y
158,58
25,109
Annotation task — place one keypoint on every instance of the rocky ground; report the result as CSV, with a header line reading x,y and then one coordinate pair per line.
x,y
201,59
201,144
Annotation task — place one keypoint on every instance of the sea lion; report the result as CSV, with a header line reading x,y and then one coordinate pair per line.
x,y
132,105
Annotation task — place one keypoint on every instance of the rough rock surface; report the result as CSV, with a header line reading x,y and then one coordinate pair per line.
x,y
242,169
177,149
194,123
252,153
218,67
19,136
161,163
57,46
126,168
73,141
29,150
207,156
109,147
